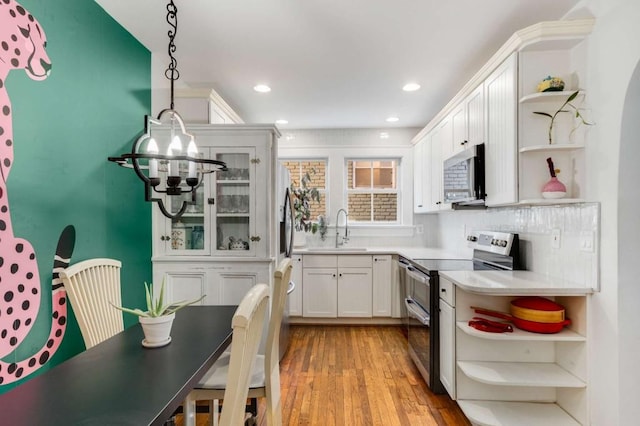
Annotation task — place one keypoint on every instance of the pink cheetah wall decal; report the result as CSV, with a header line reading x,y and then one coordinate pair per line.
x,y
22,46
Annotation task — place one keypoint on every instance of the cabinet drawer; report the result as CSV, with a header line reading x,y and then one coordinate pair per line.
x,y
354,261
446,291
319,261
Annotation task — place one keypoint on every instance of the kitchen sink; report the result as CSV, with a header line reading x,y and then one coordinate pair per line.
x,y
334,249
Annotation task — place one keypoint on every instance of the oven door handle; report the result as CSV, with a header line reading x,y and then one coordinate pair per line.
x,y
414,310
418,276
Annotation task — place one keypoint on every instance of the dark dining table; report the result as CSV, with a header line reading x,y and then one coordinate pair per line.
x,y
119,382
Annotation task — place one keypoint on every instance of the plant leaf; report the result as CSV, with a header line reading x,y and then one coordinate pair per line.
x,y
136,311
543,113
573,96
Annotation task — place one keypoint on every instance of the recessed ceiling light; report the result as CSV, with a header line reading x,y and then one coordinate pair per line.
x,y
384,135
262,88
282,122
289,137
392,119
411,87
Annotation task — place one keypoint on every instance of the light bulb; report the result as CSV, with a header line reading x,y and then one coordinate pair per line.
x,y
192,151
152,148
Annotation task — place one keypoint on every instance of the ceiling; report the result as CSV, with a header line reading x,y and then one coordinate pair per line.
x,y
332,63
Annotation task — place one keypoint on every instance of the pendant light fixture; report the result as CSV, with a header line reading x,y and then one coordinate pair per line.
x,y
160,150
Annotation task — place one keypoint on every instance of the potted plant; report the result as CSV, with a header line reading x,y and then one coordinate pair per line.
x,y
566,104
303,196
156,321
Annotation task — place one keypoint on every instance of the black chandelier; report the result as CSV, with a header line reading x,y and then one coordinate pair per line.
x,y
167,134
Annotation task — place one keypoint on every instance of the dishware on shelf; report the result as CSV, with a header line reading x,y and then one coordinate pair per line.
x,y
197,238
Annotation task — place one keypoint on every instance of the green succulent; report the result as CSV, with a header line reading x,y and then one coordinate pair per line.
x,y
156,307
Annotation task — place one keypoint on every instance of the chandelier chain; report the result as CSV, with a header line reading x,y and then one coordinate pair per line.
x,y
172,73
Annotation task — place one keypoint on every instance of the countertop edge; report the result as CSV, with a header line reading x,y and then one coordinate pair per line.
x,y
514,283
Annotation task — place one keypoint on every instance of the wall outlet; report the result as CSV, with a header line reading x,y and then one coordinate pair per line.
x,y
419,229
587,241
555,238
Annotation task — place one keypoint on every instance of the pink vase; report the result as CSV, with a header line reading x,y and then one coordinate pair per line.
x,y
554,189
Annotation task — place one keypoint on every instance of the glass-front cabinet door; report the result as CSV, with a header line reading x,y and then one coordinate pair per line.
x,y
234,203
189,234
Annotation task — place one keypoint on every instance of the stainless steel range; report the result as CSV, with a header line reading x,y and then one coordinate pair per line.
x,y
492,250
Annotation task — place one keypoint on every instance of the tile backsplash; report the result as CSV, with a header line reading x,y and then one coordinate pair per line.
x,y
575,258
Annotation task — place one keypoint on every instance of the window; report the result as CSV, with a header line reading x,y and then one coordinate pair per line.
x,y
372,190
317,170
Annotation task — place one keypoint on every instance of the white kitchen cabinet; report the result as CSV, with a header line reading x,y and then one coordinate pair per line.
x,y
320,292
222,284
232,220
354,292
383,284
224,221
295,298
468,122
447,330
421,188
514,378
337,286
435,158
501,134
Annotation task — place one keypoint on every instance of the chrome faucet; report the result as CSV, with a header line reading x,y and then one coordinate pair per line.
x,y
346,228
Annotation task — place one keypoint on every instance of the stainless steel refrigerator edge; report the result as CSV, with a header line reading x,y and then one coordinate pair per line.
x,y
285,243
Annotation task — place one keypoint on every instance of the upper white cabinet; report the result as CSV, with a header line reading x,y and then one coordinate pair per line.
x,y
501,148
420,171
496,107
468,121
231,217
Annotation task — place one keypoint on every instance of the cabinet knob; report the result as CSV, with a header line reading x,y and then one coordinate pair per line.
x,y
438,202
339,275
443,290
419,205
256,238
211,201
333,275
375,259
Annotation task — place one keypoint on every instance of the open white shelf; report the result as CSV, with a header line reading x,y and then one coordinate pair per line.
x,y
565,335
552,147
550,201
543,374
540,97
499,413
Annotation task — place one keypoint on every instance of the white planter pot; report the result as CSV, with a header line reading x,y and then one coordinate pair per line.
x,y
157,330
299,239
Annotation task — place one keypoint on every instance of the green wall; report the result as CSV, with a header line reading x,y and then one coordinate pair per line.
x,y
92,106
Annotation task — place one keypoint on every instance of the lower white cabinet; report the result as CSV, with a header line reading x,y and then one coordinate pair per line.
x,y
447,346
383,284
320,292
354,292
337,286
222,283
295,298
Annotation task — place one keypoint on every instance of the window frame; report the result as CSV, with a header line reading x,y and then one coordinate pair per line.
x,y
397,173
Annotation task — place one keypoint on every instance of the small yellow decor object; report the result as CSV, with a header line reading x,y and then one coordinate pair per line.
x,y
551,84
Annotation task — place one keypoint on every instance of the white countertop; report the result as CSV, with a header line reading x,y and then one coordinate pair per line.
x,y
514,283
410,252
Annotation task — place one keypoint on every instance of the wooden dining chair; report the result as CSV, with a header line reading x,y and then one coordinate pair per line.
x,y
248,322
91,285
213,385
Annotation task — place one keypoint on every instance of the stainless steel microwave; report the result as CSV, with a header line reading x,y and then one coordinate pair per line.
x,y
463,177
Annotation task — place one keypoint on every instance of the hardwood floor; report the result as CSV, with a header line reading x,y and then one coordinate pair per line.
x,y
356,375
